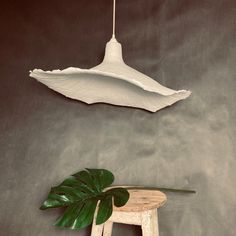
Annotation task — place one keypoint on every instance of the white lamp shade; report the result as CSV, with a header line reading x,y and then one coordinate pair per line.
x,y
112,82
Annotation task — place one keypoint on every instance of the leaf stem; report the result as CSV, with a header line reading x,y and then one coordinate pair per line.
x,y
162,189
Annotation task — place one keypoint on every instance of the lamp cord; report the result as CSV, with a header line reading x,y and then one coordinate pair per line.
x,y
114,19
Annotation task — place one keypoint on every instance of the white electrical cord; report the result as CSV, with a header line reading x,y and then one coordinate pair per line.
x,y
114,18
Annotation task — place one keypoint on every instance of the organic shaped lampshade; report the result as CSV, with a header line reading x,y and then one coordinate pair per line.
x,y
111,82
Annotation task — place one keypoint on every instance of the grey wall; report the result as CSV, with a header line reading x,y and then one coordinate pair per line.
x,y
45,137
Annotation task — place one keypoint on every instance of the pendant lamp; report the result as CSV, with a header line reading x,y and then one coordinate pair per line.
x,y
112,82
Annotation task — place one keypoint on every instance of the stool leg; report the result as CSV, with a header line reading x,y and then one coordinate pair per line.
x,y
108,228
147,227
155,222
97,229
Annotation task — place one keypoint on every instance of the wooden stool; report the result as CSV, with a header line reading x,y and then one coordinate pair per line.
x,y
141,209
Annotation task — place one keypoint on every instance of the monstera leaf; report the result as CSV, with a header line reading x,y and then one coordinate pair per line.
x,y
81,193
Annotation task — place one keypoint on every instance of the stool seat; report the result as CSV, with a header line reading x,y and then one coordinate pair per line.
x,y
142,200
141,209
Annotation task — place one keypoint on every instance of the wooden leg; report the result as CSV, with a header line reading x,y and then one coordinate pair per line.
x,y
108,228
147,223
155,222
97,229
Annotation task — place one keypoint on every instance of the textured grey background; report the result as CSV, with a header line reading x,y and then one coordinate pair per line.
x,y
44,137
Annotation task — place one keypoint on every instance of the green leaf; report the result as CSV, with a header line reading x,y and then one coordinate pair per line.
x,y
78,215
105,209
103,178
121,196
71,182
55,200
70,215
80,194
72,193
86,179
86,214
